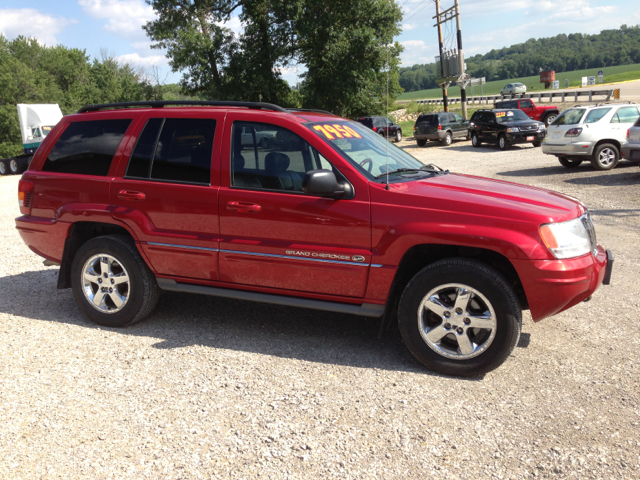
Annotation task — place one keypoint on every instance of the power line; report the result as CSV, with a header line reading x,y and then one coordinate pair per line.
x,y
426,5
414,9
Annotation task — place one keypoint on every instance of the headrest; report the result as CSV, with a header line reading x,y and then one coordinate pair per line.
x,y
276,163
238,163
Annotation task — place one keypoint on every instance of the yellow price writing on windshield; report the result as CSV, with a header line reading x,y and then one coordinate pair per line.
x,y
332,132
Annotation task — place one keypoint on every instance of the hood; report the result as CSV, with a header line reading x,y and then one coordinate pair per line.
x,y
484,197
546,107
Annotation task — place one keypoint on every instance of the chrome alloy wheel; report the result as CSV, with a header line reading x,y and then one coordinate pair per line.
x,y
607,157
456,321
105,283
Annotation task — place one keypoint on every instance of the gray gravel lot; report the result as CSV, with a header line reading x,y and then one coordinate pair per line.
x,y
213,388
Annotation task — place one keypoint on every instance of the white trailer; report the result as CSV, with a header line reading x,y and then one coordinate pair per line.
x,y
36,122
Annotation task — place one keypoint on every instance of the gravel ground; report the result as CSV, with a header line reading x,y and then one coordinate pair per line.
x,y
212,388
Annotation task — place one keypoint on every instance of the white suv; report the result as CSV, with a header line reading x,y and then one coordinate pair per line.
x,y
595,132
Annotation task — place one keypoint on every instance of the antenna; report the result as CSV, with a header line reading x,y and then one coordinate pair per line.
x,y
387,144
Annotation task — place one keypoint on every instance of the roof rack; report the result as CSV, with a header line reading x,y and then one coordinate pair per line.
x,y
201,103
313,110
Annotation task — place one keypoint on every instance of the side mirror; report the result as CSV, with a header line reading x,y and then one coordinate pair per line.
x,y
324,184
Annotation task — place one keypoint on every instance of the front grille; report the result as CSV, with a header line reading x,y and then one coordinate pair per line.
x,y
588,224
529,128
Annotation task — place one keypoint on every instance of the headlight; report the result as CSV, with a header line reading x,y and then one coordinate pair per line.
x,y
513,130
569,239
542,128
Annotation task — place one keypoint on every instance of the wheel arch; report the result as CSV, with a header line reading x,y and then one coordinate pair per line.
x,y
79,234
422,255
615,143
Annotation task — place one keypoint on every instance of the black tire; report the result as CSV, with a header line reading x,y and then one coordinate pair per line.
x,y
503,143
475,140
4,167
142,291
447,140
398,136
537,143
17,165
488,283
549,118
421,143
570,162
605,157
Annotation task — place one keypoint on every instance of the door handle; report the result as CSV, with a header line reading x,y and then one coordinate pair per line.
x,y
243,207
131,195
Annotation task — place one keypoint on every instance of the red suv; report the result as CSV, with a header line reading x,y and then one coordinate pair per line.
x,y
326,214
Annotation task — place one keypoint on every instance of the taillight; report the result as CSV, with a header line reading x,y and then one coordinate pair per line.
x,y
439,127
628,130
375,129
573,132
25,189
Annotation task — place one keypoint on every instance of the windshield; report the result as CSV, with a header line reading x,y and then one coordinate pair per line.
x,y
46,130
569,117
366,150
509,116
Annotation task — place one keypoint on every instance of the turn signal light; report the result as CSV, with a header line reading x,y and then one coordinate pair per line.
x,y
439,127
573,132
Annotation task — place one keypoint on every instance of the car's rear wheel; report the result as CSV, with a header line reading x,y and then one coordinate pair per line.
x,y
421,143
569,162
549,119
399,135
460,317
4,168
503,143
447,140
475,140
111,283
605,157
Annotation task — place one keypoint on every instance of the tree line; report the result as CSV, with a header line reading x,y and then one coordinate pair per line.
x,y
562,53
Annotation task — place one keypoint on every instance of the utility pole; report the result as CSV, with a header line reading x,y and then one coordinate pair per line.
x,y
463,90
441,47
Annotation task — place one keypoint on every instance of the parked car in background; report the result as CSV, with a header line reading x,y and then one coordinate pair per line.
x,y
546,113
382,126
631,149
594,132
513,88
505,128
439,126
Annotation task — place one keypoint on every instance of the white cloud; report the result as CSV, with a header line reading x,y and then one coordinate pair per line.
x,y
136,60
406,27
32,23
234,24
125,18
417,51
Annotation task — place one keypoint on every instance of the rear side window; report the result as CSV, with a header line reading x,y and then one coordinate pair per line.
x,y
627,114
596,115
87,148
367,122
174,150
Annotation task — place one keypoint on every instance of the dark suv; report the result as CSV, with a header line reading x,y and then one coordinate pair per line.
x,y
505,127
324,215
382,126
439,126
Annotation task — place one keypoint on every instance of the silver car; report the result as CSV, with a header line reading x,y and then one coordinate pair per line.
x,y
513,88
595,132
631,149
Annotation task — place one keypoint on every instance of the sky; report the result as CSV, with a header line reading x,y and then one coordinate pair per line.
x,y
114,26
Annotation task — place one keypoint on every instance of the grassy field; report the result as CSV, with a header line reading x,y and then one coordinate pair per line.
x,y
611,75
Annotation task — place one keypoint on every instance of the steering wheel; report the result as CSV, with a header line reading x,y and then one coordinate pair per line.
x,y
369,164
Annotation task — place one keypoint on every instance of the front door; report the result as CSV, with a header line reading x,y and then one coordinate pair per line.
x,y
275,236
169,197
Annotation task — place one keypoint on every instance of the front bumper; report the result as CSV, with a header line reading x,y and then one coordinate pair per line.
x,y
631,151
570,149
552,286
521,137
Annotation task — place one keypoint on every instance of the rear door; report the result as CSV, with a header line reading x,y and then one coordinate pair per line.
x,y
460,125
275,236
167,193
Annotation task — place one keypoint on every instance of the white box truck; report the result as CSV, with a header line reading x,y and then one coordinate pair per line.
x,y
36,122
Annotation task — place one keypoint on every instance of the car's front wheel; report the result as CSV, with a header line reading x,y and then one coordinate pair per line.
x,y
503,143
605,157
399,135
460,317
111,283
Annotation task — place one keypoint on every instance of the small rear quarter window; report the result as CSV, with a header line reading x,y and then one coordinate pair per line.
x,y
87,148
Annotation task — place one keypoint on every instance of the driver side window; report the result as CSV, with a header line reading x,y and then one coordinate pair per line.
x,y
271,158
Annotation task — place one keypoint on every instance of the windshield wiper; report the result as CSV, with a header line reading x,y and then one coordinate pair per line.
x,y
399,170
425,168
